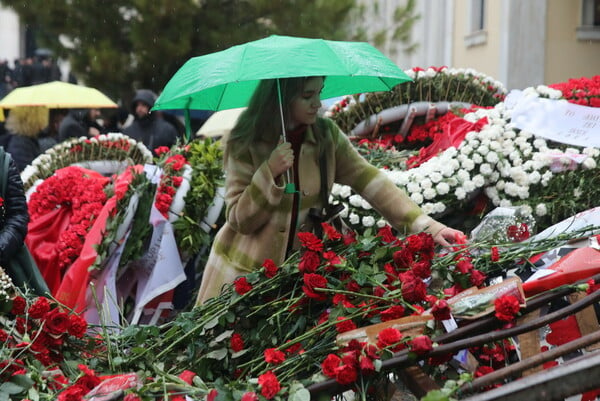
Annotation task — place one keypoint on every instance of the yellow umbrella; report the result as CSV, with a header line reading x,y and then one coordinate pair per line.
x,y
220,123
57,95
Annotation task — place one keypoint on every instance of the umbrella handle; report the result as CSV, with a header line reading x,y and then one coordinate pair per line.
x,y
290,187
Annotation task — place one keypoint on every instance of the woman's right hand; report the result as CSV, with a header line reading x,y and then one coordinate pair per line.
x,y
281,159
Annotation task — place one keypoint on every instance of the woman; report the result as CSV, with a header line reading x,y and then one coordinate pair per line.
x,y
24,125
262,220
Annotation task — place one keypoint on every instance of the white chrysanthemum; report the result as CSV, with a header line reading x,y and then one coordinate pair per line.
x,y
546,177
417,197
468,165
460,193
477,158
540,143
427,208
535,177
485,169
463,176
436,177
413,187
381,223
523,192
438,207
492,157
541,209
525,210
500,185
591,152
365,205
466,149
442,188
368,221
469,186
429,193
354,218
505,203
519,176
478,180
511,189
449,169
483,150
426,183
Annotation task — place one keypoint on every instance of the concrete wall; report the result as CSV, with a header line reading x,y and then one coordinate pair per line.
x,y
10,48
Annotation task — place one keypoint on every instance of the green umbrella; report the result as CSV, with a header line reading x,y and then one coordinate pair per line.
x,y
227,79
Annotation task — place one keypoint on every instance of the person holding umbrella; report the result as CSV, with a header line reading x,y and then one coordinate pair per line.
x,y
262,218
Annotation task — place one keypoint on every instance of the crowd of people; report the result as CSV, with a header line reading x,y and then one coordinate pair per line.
x,y
28,71
29,131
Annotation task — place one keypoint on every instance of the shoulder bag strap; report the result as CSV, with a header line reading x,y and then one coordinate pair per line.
x,y
5,163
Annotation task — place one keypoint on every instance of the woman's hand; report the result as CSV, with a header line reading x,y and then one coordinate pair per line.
x,y
281,159
449,236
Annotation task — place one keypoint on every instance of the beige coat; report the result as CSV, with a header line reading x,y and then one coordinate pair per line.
x,y
258,211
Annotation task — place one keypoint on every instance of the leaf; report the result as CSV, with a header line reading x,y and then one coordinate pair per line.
x,y
436,395
10,388
217,354
298,392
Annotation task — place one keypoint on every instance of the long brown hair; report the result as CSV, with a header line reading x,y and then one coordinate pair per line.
x,y
261,119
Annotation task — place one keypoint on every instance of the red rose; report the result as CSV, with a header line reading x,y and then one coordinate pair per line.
x,y
403,258
39,308
274,356
236,342
330,365
507,307
391,313
270,268
88,382
413,288
441,310
421,345
386,234
422,268
344,325
57,322
310,241
309,262
346,374
242,285
269,385
250,396
18,305
77,326
311,283
333,260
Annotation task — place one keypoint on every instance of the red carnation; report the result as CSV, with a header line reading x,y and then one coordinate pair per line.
x,y
57,322
330,232
389,336
330,365
391,313
422,268
344,325
236,342
310,241
366,364
242,285
187,376
250,396
477,277
270,268
39,308
311,283
18,305
309,262
507,307
274,356
495,254
77,326
346,374
464,266
421,345
269,385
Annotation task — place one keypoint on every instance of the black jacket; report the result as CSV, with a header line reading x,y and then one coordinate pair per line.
x,y
23,150
13,226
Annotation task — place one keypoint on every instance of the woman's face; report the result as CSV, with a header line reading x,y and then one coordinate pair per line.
x,y
306,104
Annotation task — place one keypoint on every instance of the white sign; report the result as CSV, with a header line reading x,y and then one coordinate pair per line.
x,y
556,120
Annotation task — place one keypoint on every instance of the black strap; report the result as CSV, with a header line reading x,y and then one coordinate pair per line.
x,y
327,211
5,163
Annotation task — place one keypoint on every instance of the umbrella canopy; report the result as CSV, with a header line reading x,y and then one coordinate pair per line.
x,y
57,95
220,123
227,79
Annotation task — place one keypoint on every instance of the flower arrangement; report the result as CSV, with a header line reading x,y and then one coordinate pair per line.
x,y
509,166
114,147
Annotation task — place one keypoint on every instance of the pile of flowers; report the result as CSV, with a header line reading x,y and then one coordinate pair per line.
x,y
112,147
496,165
273,333
434,84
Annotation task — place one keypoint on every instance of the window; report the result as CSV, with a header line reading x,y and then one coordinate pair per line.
x,y
477,34
590,21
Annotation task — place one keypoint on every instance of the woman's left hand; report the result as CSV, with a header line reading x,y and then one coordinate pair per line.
x,y
449,236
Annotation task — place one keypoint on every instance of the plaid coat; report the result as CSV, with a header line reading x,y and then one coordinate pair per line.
x,y
258,212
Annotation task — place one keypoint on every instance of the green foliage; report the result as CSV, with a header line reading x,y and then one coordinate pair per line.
x,y
119,45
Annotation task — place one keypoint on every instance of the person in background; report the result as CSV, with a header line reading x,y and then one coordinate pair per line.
x,y
24,125
79,123
49,135
149,128
262,219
